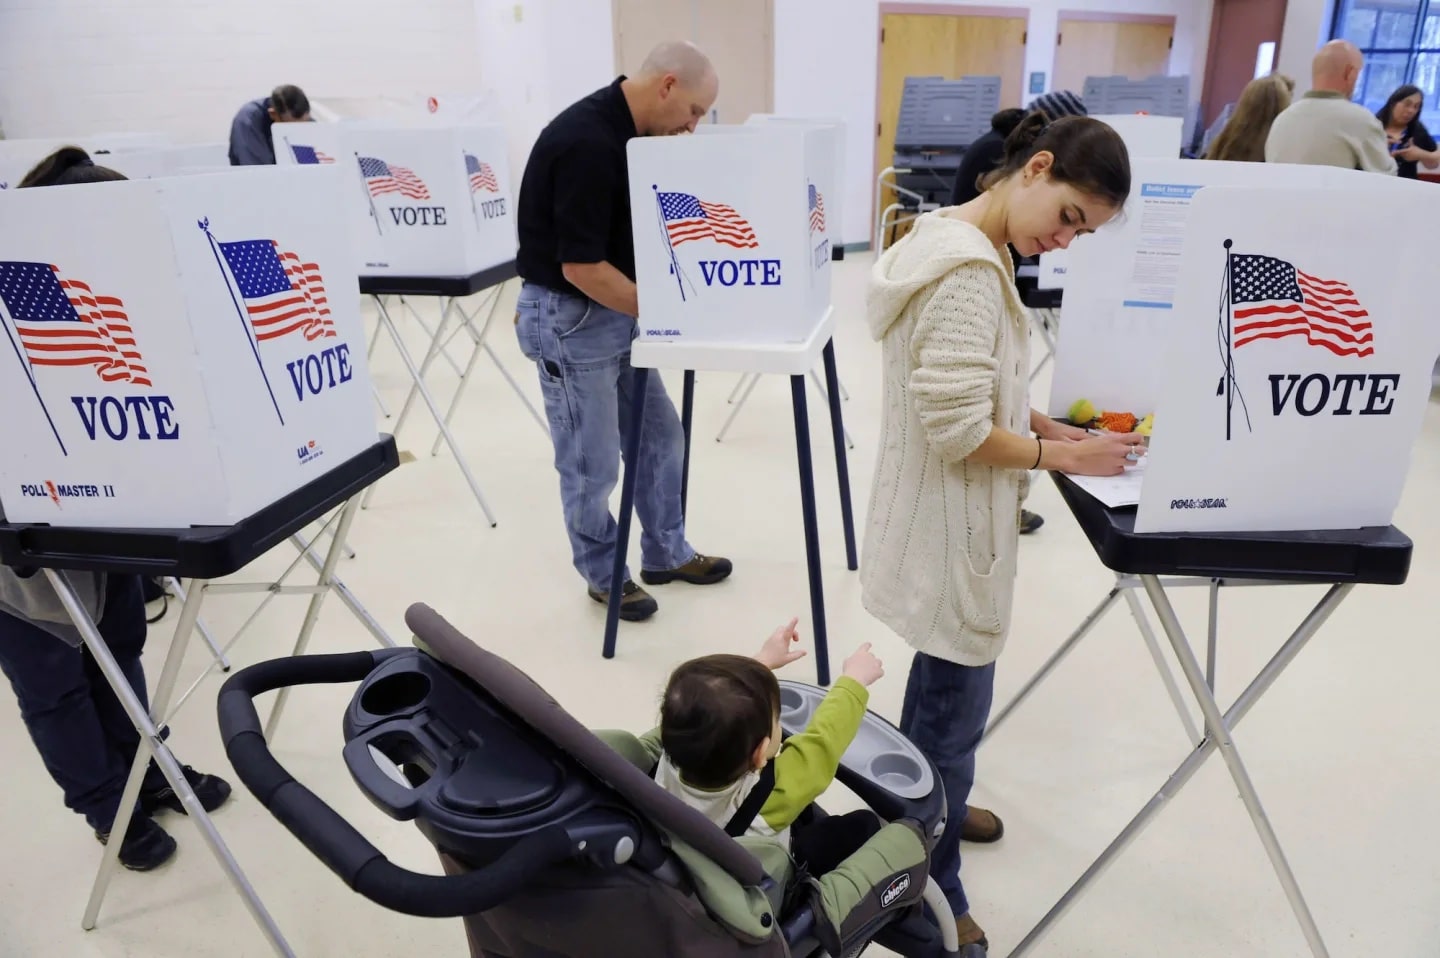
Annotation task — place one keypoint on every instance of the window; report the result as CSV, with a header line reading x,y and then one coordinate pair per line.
x,y
1401,43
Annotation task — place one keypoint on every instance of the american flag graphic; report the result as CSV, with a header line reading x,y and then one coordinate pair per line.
x,y
62,322
282,294
482,175
1273,299
688,218
817,210
308,155
381,177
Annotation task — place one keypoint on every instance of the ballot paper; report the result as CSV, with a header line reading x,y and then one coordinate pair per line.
x,y
1115,491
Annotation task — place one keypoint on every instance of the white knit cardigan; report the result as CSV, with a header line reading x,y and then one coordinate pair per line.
x,y
941,537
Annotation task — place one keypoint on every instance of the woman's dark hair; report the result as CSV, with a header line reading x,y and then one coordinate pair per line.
x,y
289,100
1400,93
67,166
716,711
1088,155
1006,121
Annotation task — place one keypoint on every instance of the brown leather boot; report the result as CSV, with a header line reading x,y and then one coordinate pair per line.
x,y
981,826
701,570
970,933
636,605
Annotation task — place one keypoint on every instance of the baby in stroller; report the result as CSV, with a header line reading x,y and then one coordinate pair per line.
x,y
557,842
725,755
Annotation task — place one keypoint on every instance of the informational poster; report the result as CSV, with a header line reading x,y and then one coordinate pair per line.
x,y
1156,267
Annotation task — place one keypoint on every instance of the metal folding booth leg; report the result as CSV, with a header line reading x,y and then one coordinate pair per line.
x,y
1218,729
479,346
805,462
419,386
1044,322
745,385
217,653
1125,587
151,744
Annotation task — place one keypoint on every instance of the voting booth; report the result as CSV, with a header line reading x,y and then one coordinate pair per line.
x,y
424,199
18,157
732,265
144,164
1261,326
731,252
202,328
185,389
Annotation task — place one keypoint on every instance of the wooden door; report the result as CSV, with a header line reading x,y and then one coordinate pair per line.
x,y
925,44
739,38
737,35
1236,33
1090,48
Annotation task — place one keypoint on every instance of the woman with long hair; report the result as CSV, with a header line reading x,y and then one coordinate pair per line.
x,y
1243,137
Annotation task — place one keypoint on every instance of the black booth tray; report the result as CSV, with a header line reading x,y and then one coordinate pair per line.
x,y
437,285
199,552
1376,556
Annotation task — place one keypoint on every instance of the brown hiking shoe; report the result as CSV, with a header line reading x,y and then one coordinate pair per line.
x,y
970,933
701,570
981,826
636,604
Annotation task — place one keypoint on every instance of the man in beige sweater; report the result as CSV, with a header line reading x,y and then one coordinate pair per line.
x,y
1324,128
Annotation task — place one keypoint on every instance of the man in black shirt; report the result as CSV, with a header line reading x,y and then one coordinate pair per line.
x,y
575,317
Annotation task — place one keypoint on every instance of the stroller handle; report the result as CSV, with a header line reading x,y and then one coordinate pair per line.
x,y
333,839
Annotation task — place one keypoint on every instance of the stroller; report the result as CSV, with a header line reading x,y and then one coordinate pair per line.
x,y
555,841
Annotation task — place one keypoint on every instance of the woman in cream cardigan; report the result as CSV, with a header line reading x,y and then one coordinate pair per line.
x,y
956,450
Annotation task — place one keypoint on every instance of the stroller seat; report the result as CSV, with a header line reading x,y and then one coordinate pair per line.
x,y
556,842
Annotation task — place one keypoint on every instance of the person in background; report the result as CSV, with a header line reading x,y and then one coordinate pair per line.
x,y
1410,143
941,543
1242,140
79,727
250,143
1323,128
984,155
575,319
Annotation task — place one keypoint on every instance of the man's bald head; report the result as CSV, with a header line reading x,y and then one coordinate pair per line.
x,y
673,90
1337,67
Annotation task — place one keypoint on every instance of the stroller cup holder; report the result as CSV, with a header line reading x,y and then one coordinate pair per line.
x,y
472,778
881,765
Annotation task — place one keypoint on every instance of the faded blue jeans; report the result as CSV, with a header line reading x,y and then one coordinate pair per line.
x,y
581,352
944,714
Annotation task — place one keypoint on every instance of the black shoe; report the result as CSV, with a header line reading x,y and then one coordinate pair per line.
x,y
701,570
212,791
1029,522
636,604
146,846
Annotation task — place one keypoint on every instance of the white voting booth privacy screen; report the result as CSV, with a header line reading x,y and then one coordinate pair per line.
x,y
1299,361
1146,137
168,161
425,198
189,356
730,247
830,179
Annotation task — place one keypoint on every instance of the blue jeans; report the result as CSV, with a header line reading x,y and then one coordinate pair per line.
x,y
581,352
945,711
81,731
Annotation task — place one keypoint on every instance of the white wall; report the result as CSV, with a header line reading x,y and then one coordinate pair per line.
x,y
556,52
184,67
1307,25
827,61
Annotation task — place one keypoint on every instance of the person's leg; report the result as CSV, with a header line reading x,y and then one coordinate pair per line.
x,y
577,346
59,711
945,710
124,629
822,844
658,472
